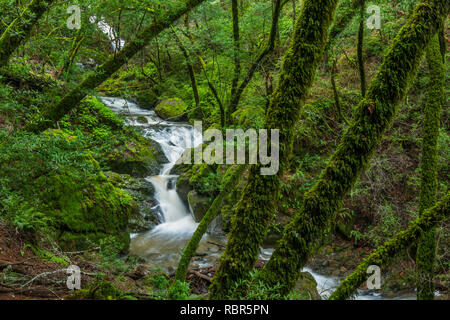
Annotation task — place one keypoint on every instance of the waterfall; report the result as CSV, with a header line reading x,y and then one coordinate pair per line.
x,y
169,237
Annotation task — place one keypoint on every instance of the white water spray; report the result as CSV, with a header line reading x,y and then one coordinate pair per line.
x,y
174,138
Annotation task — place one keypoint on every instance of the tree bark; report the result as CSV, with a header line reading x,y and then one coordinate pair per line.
x,y
402,240
372,117
261,194
103,72
426,250
19,30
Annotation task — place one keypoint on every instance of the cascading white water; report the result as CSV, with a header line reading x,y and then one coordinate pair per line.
x,y
169,237
116,43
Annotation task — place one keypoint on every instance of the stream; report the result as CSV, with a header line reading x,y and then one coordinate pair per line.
x,y
161,247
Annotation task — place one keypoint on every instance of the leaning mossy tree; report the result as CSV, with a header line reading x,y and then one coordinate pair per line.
x,y
257,205
372,117
229,182
55,112
426,250
391,248
19,30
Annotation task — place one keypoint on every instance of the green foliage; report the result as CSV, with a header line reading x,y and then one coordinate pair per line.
x,y
51,182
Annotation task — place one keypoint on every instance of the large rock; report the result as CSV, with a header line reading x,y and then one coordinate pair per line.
x,y
173,109
198,205
143,193
147,99
306,287
139,157
86,211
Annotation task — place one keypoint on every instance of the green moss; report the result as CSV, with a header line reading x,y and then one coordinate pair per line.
x,y
86,209
173,109
116,146
102,290
426,250
138,157
259,200
19,30
371,118
53,178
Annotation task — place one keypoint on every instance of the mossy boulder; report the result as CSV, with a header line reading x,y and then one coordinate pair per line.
x,y
147,99
91,117
139,157
202,178
198,205
86,209
173,109
143,193
306,287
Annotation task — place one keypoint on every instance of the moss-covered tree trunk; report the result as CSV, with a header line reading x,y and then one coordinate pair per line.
x,y
391,248
261,193
70,100
19,30
425,257
372,117
229,182
267,50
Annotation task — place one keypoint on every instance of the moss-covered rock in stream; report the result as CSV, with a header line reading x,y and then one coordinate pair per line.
x,y
198,205
147,99
142,191
202,178
173,109
138,157
306,287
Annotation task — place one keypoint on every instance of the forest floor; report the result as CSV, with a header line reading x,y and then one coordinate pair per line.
x,y
25,275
